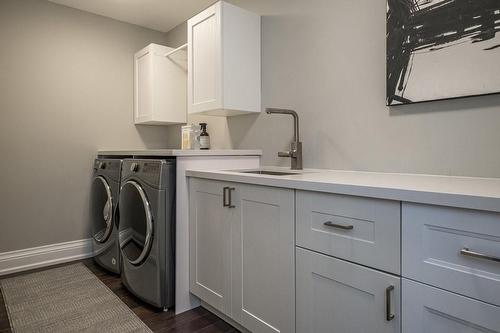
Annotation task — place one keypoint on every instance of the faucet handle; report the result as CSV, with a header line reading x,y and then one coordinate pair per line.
x,y
285,154
291,153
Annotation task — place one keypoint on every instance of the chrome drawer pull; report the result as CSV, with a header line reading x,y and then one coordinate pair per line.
x,y
224,197
339,226
388,314
466,252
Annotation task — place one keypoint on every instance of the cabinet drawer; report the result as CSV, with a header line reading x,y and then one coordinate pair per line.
x,y
362,230
435,242
431,310
333,295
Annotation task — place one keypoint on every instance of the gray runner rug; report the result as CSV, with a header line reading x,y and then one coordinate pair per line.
x,y
66,299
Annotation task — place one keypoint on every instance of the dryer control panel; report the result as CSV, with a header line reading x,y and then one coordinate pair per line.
x,y
151,172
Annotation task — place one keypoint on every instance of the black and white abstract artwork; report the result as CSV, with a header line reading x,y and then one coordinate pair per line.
x,y
441,49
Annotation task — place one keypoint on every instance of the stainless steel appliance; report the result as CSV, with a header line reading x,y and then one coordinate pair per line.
x,y
105,190
147,229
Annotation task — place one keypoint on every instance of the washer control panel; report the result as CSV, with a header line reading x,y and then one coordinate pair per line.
x,y
134,167
108,167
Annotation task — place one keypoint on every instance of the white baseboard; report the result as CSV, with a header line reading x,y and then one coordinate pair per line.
x,y
47,255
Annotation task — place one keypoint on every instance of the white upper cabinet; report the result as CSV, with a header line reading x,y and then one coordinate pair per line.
x,y
160,86
224,65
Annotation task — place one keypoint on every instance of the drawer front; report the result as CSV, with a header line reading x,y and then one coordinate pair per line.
x,y
362,230
333,295
439,246
431,310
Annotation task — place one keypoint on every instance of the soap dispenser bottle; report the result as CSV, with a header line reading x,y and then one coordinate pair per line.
x,y
204,137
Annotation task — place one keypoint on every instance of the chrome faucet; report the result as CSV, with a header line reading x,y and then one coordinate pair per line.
x,y
295,152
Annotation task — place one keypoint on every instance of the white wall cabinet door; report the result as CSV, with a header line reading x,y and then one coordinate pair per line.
x,y
337,296
205,60
263,295
209,239
431,310
224,61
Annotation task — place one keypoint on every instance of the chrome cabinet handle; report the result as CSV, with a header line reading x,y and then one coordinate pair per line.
x,y
466,252
226,197
388,307
230,203
338,226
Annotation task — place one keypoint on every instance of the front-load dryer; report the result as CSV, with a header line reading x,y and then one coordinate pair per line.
x,y
147,229
104,196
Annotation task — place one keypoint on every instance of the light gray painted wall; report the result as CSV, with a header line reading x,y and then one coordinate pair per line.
x,y
326,59
65,91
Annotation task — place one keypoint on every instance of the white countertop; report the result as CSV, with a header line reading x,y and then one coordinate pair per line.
x,y
180,152
463,192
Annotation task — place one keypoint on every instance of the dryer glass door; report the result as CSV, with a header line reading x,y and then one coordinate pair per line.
x,y
101,209
136,223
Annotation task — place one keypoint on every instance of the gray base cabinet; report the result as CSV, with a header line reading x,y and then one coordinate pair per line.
x,y
242,252
431,310
362,230
337,296
278,260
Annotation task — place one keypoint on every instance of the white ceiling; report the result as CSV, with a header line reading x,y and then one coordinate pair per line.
x,y
161,15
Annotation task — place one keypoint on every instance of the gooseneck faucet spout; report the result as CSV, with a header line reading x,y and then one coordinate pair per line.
x,y
295,152
295,120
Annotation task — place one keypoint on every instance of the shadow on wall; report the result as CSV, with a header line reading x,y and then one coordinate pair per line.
x,y
239,127
149,135
458,104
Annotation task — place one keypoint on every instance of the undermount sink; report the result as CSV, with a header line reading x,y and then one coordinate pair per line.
x,y
271,173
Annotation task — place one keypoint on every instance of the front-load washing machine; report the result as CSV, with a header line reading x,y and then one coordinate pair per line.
x,y
105,191
147,229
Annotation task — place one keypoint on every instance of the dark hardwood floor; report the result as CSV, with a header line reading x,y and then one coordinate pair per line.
x,y
197,320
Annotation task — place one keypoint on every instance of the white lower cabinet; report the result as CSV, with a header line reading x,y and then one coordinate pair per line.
x,y
428,309
333,295
209,245
263,259
242,252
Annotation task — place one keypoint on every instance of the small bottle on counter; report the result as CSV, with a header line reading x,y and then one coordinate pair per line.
x,y
204,137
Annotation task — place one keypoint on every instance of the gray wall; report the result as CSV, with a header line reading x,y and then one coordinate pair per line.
x,y
326,59
66,90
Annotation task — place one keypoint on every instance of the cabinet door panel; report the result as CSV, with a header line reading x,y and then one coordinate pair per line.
x,y
337,296
209,229
431,310
263,258
204,60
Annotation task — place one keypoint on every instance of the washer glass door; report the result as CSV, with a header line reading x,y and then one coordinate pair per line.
x,y
101,209
136,223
